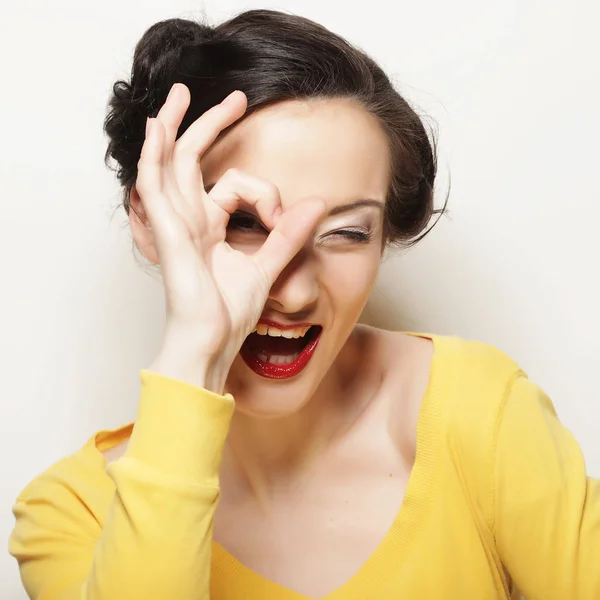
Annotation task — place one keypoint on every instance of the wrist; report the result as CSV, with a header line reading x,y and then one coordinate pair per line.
x,y
180,359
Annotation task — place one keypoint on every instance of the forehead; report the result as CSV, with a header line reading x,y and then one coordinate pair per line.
x,y
332,148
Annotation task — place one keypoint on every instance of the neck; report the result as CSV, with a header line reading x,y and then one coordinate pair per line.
x,y
265,456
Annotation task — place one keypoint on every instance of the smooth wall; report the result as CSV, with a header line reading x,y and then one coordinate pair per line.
x,y
514,89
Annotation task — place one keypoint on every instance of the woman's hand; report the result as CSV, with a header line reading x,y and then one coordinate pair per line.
x,y
214,294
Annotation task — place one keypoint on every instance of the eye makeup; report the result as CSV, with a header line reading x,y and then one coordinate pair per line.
x,y
353,235
355,227
246,223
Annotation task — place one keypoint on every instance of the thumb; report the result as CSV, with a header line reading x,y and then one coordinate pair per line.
x,y
290,233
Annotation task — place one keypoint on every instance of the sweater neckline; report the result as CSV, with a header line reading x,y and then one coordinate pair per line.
x,y
407,523
375,571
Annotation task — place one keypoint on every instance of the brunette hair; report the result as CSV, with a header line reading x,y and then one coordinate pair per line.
x,y
272,57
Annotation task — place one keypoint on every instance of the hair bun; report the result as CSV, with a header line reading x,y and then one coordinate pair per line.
x,y
154,71
272,57
157,54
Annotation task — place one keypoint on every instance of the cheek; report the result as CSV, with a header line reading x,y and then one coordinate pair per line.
x,y
350,277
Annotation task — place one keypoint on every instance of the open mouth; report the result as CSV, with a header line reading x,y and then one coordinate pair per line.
x,y
278,353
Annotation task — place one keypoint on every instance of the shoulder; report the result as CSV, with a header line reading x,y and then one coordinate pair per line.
x,y
448,401
59,518
474,376
461,384
455,375
474,357
74,494
469,386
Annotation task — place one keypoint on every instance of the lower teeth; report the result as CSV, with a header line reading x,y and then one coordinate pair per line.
x,y
278,359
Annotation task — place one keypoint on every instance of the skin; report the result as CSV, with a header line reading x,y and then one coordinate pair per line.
x,y
308,457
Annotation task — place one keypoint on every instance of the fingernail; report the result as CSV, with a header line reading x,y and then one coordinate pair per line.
x,y
229,98
173,93
148,126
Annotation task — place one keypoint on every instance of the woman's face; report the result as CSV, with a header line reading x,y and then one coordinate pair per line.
x,y
337,151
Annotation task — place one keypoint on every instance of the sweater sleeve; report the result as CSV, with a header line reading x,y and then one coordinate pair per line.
x,y
156,539
547,510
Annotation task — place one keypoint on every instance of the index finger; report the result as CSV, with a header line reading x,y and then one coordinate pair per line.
x,y
203,131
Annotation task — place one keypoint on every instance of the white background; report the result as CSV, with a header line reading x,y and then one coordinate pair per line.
x,y
513,86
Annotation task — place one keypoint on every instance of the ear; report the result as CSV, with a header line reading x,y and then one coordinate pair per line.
x,y
142,233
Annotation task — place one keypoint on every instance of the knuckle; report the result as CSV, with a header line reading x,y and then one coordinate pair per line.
x,y
142,185
183,147
179,150
270,190
263,187
142,163
232,174
256,186
146,166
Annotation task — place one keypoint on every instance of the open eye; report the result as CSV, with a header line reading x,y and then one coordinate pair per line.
x,y
242,221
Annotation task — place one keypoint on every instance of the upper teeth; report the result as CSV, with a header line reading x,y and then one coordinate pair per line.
x,y
296,332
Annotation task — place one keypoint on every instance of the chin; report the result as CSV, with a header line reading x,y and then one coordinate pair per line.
x,y
279,370
266,396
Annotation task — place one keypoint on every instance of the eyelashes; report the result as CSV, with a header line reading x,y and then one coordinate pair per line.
x,y
243,222
352,235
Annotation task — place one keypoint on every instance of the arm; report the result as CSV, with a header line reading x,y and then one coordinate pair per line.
x,y
156,540
547,510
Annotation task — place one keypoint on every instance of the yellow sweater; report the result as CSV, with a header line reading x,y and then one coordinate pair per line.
x,y
498,496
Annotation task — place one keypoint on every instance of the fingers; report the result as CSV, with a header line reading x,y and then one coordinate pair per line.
x,y
163,199
196,140
235,187
149,180
171,114
291,232
204,130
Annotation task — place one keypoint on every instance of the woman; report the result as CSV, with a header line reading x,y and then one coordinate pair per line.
x,y
358,463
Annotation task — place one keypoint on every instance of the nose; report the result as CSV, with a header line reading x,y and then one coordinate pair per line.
x,y
296,290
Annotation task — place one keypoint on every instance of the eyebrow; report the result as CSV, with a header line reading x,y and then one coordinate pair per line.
x,y
336,210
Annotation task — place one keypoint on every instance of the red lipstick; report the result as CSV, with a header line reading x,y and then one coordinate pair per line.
x,y
271,370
